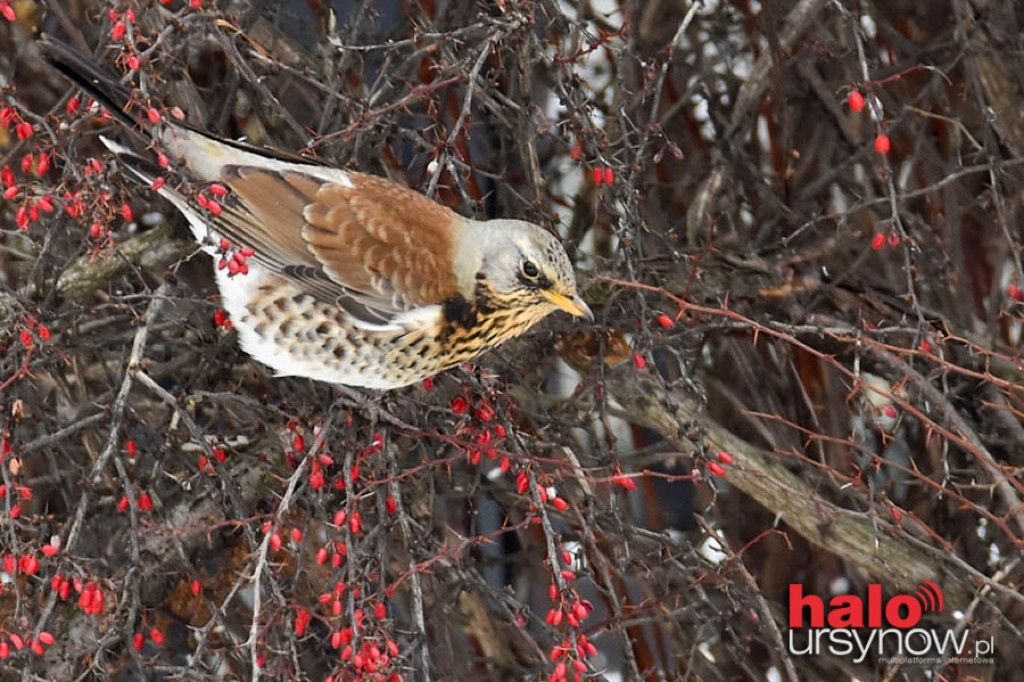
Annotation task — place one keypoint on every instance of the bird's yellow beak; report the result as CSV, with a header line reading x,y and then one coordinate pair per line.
x,y
575,306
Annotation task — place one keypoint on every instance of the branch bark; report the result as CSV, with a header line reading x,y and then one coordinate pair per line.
x,y
873,545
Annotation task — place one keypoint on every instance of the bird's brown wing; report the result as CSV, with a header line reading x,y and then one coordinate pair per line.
x,y
375,248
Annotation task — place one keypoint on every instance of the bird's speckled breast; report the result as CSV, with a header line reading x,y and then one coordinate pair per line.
x,y
297,334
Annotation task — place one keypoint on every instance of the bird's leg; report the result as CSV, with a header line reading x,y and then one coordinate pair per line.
x,y
370,402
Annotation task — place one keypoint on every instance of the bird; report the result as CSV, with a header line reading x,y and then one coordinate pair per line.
x,y
336,275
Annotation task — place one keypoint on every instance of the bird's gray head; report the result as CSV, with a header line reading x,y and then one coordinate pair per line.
x,y
525,266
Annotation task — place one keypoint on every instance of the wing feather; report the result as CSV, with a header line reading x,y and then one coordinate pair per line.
x,y
373,247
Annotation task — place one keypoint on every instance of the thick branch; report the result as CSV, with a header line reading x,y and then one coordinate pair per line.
x,y
859,539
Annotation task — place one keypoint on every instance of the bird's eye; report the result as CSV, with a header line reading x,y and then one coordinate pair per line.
x,y
530,270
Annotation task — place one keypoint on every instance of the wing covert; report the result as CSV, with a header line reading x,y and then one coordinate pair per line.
x,y
372,247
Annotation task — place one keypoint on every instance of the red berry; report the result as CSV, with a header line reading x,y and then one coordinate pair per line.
x,y
624,481
856,100
878,241
639,361
882,144
1014,292
153,114
317,480
724,457
665,321
29,564
716,469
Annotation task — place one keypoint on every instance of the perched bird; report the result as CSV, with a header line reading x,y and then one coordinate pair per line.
x,y
350,278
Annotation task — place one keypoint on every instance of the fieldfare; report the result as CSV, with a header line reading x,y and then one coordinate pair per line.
x,y
340,276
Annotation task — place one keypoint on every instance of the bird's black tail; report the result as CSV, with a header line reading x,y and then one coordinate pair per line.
x,y
93,79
